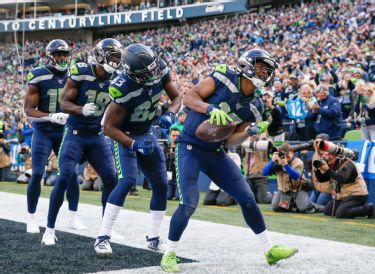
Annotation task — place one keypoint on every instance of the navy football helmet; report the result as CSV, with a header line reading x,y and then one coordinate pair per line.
x,y
141,64
58,54
246,65
108,53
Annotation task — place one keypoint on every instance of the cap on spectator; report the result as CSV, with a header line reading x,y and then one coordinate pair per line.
x,y
322,88
268,92
293,75
277,80
181,112
323,136
324,78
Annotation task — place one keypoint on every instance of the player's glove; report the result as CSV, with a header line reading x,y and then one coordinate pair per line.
x,y
58,118
219,115
259,128
166,120
145,146
88,109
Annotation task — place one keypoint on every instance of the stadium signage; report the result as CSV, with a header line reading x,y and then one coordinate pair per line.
x,y
121,18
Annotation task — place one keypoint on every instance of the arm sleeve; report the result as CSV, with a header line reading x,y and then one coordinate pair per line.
x,y
342,176
294,174
267,170
321,177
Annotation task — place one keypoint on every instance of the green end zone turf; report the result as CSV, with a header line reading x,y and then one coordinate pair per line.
x,y
21,252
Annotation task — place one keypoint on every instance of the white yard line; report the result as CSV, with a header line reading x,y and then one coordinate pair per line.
x,y
218,248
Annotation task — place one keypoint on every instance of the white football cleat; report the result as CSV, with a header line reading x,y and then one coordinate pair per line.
x,y
116,236
49,237
102,246
76,224
155,244
32,226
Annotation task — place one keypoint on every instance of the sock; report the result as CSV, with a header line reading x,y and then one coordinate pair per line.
x,y
156,219
31,217
110,215
49,230
72,214
171,246
265,241
214,187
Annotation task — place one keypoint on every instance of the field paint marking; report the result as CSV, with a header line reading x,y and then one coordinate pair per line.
x,y
359,224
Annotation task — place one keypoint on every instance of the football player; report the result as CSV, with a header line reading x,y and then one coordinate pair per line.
x,y
227,95
85,97
42,106
135,95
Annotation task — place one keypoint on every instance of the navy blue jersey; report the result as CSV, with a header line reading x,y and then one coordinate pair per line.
x,y
91,89
140,101
50,85
228,97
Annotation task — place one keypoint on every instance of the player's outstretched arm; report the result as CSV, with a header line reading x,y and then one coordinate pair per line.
x,y
31,104
172,92
68,97
112,119
194,98
238,136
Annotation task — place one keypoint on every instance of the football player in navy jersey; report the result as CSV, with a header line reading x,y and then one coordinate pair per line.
x,y
135,95
85,97
227,95
42,106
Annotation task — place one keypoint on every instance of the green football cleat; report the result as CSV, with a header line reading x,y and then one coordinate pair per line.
x,y
279,252
169,262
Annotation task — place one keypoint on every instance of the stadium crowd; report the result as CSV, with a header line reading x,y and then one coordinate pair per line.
x,y
325,55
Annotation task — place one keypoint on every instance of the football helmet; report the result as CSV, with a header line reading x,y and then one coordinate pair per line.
x,y
108,53
58,54
246,66
141,64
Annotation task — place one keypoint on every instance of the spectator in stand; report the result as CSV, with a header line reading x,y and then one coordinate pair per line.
x,y
365,113
326,114
272,114
181,116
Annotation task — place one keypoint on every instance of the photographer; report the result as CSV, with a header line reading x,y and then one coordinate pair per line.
x,y
5,159
321,194
288,170
254,162
349,190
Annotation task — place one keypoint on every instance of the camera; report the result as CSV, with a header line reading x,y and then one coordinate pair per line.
x,y
306,146
318,163
282,155
337,150
262,145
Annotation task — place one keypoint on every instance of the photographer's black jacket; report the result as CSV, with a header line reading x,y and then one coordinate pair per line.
x,y
347,174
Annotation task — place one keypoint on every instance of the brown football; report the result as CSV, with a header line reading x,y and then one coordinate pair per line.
x,y
214,133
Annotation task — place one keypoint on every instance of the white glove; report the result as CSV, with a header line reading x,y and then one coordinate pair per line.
x,y
58,118
88,109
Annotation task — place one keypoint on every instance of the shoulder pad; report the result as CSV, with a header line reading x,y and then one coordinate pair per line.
x,y
81,72
117,84
78,68
39,74
222,68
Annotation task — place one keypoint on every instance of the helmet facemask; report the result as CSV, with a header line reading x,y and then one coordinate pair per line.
x,y
260,71
109,58
59,59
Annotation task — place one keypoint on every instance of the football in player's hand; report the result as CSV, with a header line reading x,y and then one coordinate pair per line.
x,y
214,133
